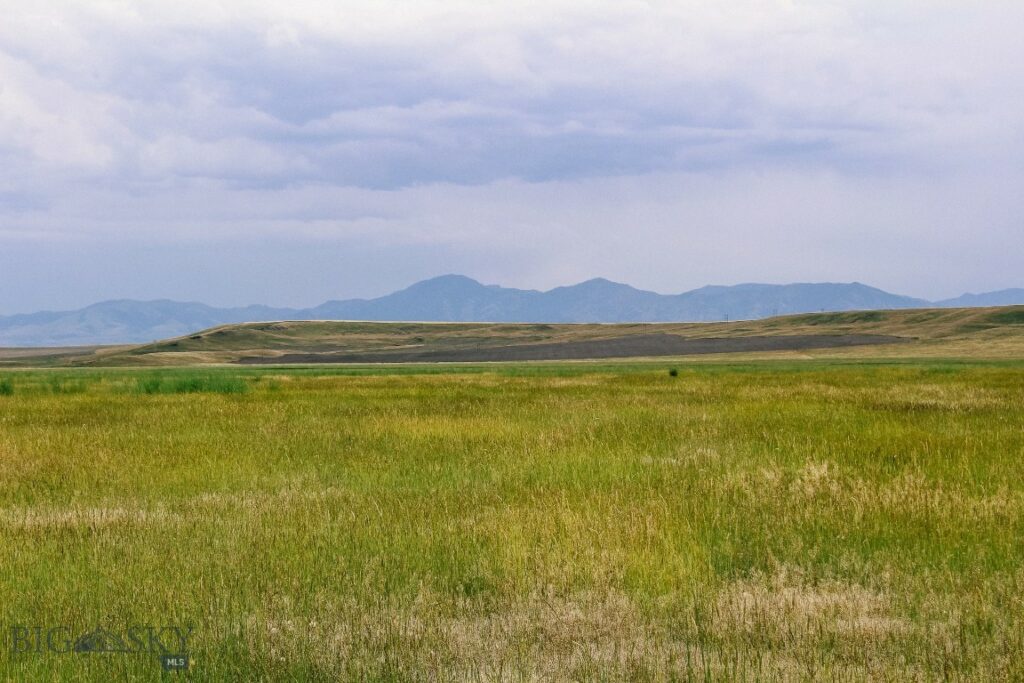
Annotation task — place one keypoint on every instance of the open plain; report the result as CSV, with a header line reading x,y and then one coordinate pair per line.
x,y
775,518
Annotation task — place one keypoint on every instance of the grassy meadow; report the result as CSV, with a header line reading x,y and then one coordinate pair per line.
x,y
787,520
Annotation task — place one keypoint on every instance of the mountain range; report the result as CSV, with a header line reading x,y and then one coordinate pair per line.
x,y
456,298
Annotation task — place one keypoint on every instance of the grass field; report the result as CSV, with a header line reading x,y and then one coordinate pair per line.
x,y
741,520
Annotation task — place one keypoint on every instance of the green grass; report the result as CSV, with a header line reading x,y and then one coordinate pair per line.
x,y
587,521
843,318
1009,317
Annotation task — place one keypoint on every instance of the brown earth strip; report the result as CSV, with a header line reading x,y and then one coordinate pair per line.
x,y
13,353
619,347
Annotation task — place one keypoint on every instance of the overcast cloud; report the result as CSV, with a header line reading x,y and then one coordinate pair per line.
x,y
291,152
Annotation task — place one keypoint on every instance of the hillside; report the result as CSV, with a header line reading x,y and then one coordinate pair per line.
x,y
988,332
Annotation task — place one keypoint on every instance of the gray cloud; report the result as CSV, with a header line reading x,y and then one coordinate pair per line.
x,y
529,143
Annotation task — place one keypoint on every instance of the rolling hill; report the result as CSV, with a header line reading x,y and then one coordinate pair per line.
x,y
967,332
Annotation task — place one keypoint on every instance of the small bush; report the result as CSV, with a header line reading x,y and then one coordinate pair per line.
x,y
673,373
6,387
190,384
61,386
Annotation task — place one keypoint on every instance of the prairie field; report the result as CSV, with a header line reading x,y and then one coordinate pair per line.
x,y
734,520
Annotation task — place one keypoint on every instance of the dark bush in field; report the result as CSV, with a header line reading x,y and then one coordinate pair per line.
x,y
6,387
190,384
63,386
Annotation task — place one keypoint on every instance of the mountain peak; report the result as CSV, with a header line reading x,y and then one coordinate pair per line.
x,y
598,284
450,280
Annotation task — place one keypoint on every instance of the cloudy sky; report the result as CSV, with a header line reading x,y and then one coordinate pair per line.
x,y
288,152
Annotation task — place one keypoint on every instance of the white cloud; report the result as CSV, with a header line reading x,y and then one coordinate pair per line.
x,y
50,121
224,158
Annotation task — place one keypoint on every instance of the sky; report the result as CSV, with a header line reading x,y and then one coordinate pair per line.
x,y
293,152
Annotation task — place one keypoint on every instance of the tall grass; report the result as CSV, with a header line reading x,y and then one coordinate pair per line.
x,y
738,522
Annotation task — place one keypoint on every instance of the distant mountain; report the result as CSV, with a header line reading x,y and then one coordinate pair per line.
x,y
445,298
123,321
459,298
1004,297
456,298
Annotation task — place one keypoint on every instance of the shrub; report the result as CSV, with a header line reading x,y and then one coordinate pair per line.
x,y
61,386
190,384
673,373
6,387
